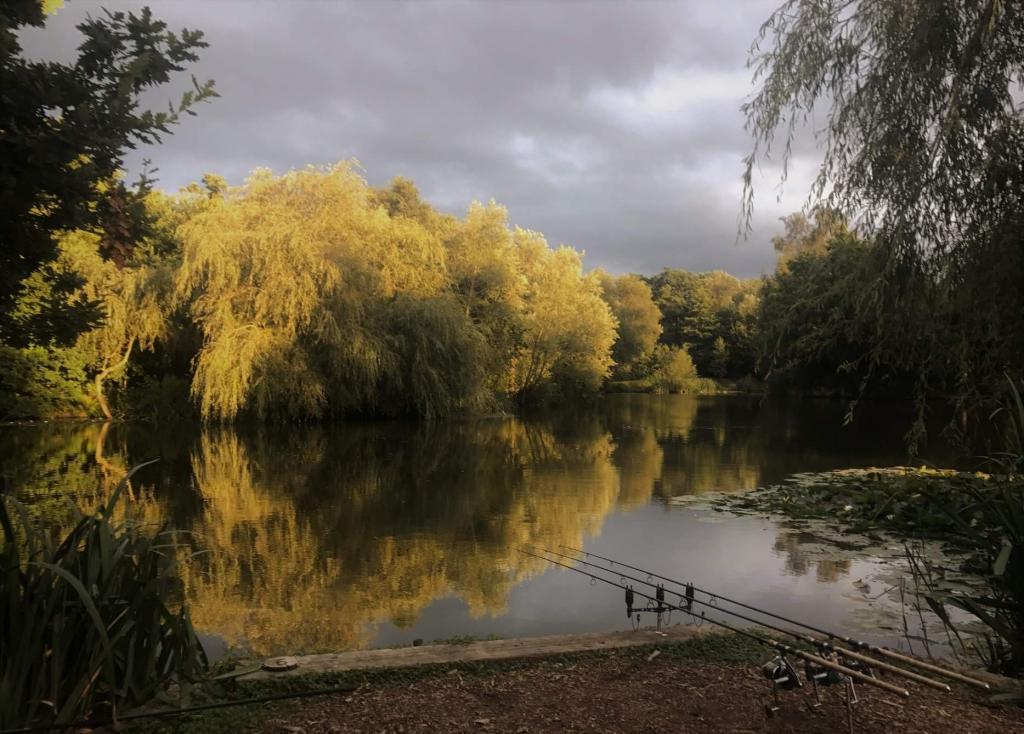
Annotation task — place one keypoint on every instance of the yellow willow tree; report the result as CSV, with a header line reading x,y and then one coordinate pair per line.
x,y
567,328
295,281
483,264
134,301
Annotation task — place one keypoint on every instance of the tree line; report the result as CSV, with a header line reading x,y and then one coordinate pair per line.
x,y
313,294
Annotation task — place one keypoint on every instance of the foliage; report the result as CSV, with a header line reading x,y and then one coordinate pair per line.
x,y
812,320
1011,456
274,278
439,356
1001,611
699,308
922,503
803,235
632,304
567,329
316,295
43,381
673,371
91,621
66,127
924,147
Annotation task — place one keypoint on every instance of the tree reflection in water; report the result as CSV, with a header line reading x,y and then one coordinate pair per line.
x,y
311,536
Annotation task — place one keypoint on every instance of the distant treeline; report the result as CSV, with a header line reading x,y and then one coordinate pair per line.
x,y
313,294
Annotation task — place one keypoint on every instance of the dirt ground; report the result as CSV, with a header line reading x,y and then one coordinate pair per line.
x,y
631,696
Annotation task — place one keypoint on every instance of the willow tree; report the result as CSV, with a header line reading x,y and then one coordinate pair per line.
x,y
291,279
484,268
923,142
134,302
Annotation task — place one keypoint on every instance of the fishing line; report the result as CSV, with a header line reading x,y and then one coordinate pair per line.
x,y
850,654
775,644
884,652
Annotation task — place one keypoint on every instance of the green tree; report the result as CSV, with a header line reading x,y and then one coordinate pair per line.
x,y
924,146
64,128
674,371
812,319
687,309
700,308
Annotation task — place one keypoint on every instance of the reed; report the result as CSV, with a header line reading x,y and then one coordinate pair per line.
x,y
994,518
94,623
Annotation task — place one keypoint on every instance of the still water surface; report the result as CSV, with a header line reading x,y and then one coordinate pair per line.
x,y
374,534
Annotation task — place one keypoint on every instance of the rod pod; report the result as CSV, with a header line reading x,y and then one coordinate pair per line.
x,y
875,649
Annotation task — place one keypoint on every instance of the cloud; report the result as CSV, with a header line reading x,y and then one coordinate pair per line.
x,y
612,127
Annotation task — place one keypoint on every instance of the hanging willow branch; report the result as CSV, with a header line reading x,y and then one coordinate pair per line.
x,y
924,146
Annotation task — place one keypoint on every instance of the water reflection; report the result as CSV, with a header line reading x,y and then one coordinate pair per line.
x,y
327,538
792,547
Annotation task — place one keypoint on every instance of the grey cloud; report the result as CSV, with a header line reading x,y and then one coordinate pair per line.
x,y
491,100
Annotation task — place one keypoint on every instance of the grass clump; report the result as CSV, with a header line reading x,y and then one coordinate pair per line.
x,y
92,623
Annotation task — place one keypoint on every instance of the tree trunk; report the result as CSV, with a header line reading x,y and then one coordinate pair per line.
x,y
110,471
104,373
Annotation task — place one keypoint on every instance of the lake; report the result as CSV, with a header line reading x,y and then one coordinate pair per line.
x,y
369,534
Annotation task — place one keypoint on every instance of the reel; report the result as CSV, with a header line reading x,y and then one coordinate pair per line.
x,y
821,675
781,673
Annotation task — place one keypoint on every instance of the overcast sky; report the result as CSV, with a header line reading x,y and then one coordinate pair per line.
x,y
613,127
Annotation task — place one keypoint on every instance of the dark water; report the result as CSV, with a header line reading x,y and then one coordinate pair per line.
x,y
375,534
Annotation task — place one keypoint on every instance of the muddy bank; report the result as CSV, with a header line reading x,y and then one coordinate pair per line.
x,y
706,683
628,695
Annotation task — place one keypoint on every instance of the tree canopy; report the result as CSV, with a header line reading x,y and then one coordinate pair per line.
x,y
923,144
64,130
317,294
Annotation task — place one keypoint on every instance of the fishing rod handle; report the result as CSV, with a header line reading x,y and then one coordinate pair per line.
x,y
929,667
939,685
855,674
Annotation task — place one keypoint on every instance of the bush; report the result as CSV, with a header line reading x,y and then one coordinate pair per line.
x,y
43,382
91,624
676,371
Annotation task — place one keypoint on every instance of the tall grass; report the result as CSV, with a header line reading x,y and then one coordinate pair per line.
x,y
998,509
92,623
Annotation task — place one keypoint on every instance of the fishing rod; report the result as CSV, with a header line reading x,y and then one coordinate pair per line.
x,y
781,647
875,649
824,645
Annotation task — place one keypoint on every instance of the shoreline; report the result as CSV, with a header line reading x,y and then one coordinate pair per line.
x,y
690,680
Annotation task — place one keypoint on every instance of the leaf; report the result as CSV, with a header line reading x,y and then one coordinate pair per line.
x,y
999,567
